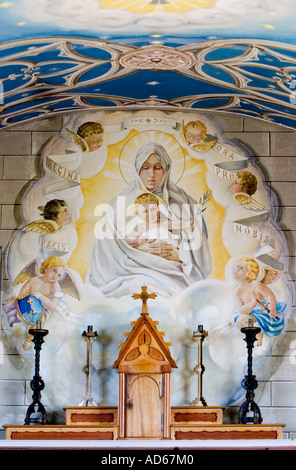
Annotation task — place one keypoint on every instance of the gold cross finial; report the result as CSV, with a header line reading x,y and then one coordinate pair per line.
x,y
144,296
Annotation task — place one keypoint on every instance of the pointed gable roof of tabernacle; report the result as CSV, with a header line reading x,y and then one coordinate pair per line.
x,y
144,344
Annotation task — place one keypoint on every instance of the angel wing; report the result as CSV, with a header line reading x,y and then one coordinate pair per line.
x,y
248,202
77,140
68,286
29,271
270,275
41,226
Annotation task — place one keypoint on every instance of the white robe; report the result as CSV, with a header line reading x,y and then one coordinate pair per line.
x,y
117,268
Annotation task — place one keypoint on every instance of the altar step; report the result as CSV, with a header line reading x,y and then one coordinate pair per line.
x,y
104,415
91,415
226,431
61,432
187,423
110,433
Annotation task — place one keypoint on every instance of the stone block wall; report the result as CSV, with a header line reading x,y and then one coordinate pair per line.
x,y
274,150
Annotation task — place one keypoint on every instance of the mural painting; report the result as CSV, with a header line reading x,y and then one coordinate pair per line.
x,y
150,198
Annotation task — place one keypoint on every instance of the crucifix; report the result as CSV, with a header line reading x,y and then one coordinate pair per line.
x,y
144,296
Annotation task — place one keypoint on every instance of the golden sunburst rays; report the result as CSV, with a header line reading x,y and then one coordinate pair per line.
x,y
149,6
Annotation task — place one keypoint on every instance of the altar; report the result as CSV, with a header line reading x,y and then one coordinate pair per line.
x,y
144,410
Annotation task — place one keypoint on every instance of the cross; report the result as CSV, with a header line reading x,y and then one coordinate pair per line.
x,y
144,296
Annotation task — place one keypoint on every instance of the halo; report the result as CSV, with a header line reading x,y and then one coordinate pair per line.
x,y
135,142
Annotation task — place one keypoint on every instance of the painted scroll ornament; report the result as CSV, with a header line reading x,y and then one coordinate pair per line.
x,y
69,178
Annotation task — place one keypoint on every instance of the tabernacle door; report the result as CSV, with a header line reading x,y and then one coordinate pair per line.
x,y
144,406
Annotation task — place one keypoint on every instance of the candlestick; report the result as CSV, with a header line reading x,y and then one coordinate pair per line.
x,y
199,335
249,383
89,337
37,384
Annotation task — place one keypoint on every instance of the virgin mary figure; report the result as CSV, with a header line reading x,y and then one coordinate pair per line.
x,y
116,267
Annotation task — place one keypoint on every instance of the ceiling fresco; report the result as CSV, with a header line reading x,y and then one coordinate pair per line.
x,y
219,55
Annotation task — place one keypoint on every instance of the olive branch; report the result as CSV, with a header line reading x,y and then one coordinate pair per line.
x,y
203,201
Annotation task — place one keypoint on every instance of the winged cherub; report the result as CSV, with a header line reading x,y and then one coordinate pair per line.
x,y
48,287
55,215
255,301
243,187
89,136
194,133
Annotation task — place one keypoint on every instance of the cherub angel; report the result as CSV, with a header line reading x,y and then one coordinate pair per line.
x,y
194,133
89,136
47,287
55,215
243,188
255,301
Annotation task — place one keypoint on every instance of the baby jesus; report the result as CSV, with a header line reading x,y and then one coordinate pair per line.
x,y
255,300
151,227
